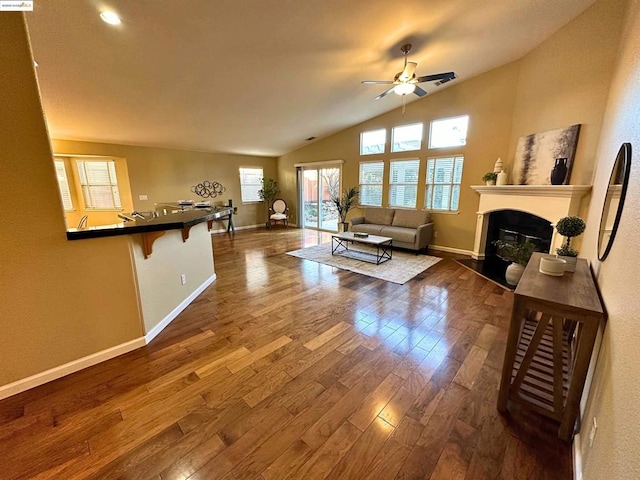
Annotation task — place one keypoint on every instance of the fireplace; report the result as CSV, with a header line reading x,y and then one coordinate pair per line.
x,y
518,213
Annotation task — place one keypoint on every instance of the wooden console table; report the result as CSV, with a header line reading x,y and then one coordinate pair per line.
x,y
551,336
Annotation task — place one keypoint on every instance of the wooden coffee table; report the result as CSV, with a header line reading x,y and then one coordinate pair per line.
x,y
340,246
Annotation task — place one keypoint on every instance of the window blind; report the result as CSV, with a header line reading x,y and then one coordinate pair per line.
x,y
403,183
371,174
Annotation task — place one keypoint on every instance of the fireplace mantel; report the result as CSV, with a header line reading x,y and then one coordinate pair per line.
x,y
551,202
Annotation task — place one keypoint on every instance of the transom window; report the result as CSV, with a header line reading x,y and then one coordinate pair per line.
x,y
444,176
99,184
63,184
371,183
250,183
373,141
403,183
406,138
449,132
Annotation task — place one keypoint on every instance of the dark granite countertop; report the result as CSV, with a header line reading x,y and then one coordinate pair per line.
x,y
170,221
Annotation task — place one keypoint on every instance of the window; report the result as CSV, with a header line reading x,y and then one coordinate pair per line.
x,y
373,141
444,176
250,183
406,138
63,185
403,183
449,132
99,184
371,183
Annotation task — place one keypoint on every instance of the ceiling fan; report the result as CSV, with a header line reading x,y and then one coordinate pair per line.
x,y
406,82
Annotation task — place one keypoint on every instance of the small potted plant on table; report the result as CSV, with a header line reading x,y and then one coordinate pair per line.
x,y
490,178
519,254
569,227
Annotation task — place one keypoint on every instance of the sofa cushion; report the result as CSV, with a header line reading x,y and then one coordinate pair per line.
x,y
411,218
379,216
400,234
371,228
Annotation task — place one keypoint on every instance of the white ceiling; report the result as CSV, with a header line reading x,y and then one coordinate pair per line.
x,y
260,76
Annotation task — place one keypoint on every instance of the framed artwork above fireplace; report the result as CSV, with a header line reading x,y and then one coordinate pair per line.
x,y
536,155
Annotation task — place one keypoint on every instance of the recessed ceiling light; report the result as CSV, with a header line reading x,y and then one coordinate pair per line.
x,y
111,18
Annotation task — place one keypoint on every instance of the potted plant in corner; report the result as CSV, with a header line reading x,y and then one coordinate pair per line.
x,y
490,178
519,254
344,203
569,227
268,194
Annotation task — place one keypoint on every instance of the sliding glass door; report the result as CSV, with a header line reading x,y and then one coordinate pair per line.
x,y
319,185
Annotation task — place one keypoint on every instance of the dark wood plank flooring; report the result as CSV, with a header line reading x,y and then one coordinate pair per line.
x,y
288,369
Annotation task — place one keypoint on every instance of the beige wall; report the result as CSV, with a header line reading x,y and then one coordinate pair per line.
x,y
566,80
167,175
563,81
159,283
59,300
615,390
488,99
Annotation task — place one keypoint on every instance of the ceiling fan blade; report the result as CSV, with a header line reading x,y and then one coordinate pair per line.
x,y
378,82
419,92
409,70
443,77
385,93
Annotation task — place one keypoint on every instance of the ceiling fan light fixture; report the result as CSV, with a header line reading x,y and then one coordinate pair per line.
x,y
404,88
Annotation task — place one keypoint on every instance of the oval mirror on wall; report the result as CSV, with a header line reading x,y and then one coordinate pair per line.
x,y
614,201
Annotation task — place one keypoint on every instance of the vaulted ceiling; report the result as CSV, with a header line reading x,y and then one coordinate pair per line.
x,y
260,76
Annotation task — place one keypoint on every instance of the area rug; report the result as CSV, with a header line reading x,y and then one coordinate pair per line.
x,y
400,269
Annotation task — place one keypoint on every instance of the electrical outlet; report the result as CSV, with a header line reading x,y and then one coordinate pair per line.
x,y
435,234
183,279
143,197
592,433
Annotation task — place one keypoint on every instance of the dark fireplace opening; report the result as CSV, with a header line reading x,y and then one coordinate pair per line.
x,y
510,226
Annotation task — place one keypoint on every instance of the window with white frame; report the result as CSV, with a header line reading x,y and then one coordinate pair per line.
x,y
99,184
250,183
373,141
449,132
444,176
406,138
63,185
371,183
403,183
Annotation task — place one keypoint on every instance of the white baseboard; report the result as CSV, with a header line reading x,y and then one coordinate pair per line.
x,y
153,333
577,458
41,378
450,250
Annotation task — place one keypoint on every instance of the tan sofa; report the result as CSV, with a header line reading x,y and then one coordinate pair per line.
x,y
410,229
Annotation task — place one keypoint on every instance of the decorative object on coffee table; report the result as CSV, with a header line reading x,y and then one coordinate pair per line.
x,y
569,227
536,155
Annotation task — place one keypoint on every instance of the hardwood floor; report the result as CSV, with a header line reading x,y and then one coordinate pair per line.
x,y
288,369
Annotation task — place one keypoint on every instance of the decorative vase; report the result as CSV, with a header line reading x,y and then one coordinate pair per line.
x,y
344,226
571,263
502,178
513,273
490,182
559,171
497,168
